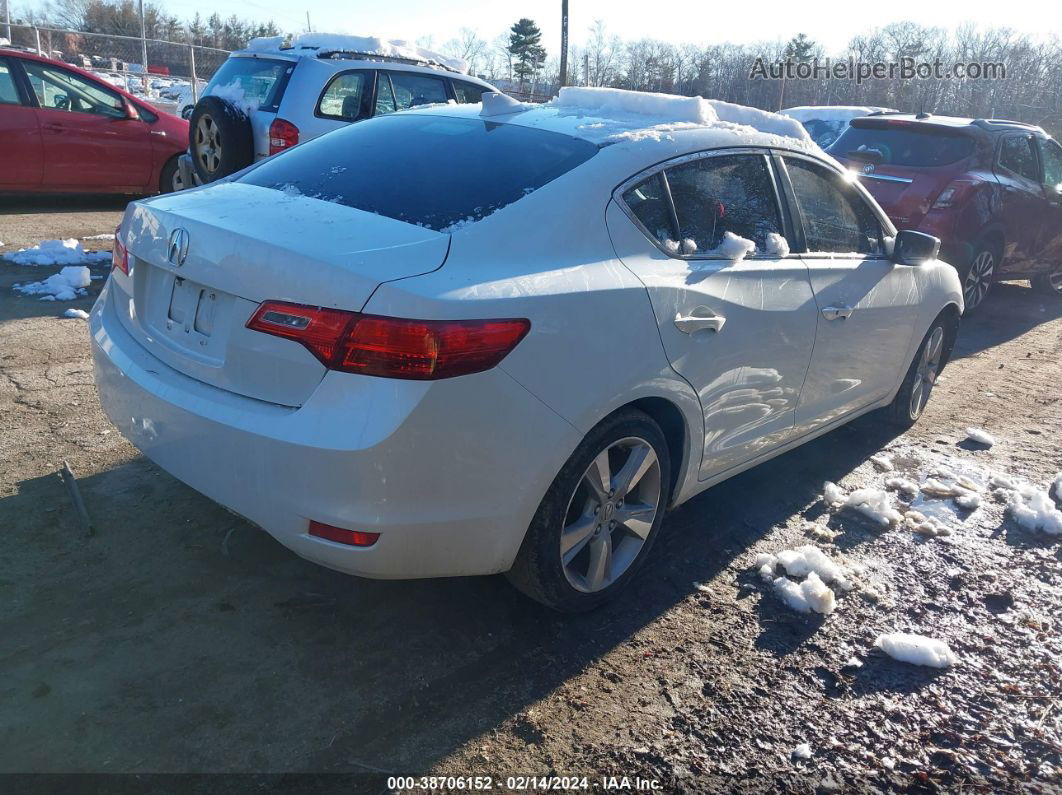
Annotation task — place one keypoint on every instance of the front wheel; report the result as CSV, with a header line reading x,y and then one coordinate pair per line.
x,y
978,276
600,516
922,375
170,180
1049,283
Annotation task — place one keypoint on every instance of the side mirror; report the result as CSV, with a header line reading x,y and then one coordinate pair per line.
x,y
914,248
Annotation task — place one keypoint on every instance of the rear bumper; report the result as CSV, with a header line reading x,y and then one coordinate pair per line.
x,y
449,473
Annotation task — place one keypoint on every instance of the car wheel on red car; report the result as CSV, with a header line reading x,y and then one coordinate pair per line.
x,y
978,275
1049,283
170,180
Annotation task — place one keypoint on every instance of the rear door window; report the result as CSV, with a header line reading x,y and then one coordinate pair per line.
x,y
725,193
344,98
412,89
467,93
835,217
1017,154
1052,153
648,201
253,83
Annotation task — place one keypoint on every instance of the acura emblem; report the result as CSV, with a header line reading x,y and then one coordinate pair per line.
x,y
867,169
178,248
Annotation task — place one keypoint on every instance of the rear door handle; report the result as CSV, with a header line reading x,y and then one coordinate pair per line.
x,y
699,319
837,312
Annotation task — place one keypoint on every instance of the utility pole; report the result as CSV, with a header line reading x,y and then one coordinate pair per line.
x,y
564,44
143,45
309,29
7,19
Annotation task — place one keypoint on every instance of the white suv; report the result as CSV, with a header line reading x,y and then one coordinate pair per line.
x,y
275,93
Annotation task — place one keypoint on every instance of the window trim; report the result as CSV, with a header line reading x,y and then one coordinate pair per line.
x,y
453,90
658,170
368,96
1043,144
887,227
447,88
1039,180
26,97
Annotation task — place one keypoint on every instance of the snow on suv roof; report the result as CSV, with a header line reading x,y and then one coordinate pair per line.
x,y
832,112
316,45
612,115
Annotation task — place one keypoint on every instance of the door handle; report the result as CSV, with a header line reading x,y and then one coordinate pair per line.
x,y
699,319
837,312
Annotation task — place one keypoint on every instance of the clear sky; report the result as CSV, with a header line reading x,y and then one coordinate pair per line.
x,y
831,22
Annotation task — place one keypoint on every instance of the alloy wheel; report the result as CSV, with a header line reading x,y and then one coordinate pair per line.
x,y
177,183
208,143
926,375
610,514
978,279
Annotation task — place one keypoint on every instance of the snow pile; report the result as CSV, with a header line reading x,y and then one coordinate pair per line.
x,y
58,252
980,436
1033,509
777,246
802,751
495,104
613,101
818,571
929,526
882,462
916,649
732,247
66,285
961,489
81,314
902,485
233,92
314,43
874,504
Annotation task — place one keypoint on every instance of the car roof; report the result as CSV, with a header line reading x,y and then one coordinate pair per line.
x,y
951,122
612,116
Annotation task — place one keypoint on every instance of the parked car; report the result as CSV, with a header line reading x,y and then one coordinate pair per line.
x,y
825,123
277,93
991,190
457,341
63,129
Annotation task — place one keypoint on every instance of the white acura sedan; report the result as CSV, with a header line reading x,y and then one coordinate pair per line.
x,y
502,338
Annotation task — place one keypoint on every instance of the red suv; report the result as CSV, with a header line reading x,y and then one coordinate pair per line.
x,y
990,190
64,129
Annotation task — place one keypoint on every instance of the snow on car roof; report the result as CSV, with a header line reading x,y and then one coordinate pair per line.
x,y
312,44
832,112
611,115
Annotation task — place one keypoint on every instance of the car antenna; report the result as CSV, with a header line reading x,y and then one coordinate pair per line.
x,y
922,109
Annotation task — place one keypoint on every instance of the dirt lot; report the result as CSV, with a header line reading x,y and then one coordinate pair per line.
x,y
181,639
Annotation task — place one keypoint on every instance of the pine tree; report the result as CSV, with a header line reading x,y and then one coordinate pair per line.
x,y
800,49
525,48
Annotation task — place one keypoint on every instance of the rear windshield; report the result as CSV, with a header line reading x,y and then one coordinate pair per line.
x,y
903,146
250,82
433,171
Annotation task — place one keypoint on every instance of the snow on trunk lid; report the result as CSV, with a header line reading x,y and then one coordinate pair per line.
x,y
202,261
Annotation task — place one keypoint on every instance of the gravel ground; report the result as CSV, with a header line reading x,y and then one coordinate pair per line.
x,y
180,639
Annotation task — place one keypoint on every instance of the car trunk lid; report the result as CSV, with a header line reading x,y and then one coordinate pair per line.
x,y
905,193
202,261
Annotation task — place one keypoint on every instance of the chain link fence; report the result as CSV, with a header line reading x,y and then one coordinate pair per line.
x,y
171,78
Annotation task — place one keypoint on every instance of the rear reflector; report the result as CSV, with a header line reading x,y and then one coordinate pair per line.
x,y
119,253
282,135
353,538
391,347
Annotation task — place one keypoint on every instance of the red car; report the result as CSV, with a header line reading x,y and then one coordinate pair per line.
x,y
63,129
991,190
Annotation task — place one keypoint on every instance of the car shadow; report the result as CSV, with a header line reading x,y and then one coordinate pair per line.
x,y
28,203
1010,310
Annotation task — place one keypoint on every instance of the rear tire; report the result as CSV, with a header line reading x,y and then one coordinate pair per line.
x,y
219,139
587,541
1049,283
979,274
922,375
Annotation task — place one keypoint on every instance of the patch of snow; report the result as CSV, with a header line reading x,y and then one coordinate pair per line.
x,y
105,236
66,285
929,526
882,462
807,559
312,43
777,245
902,485
872,503
733,248
981,436
1033,509
802,751
496,104
970,501
233,92
916,649
78,313
58,252
1056,487
810,595
853,662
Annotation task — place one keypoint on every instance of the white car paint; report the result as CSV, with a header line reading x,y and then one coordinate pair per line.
x,y
451,472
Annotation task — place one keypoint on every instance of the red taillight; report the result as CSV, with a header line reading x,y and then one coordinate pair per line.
x,y
282,135
392,347
119,253
354,538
